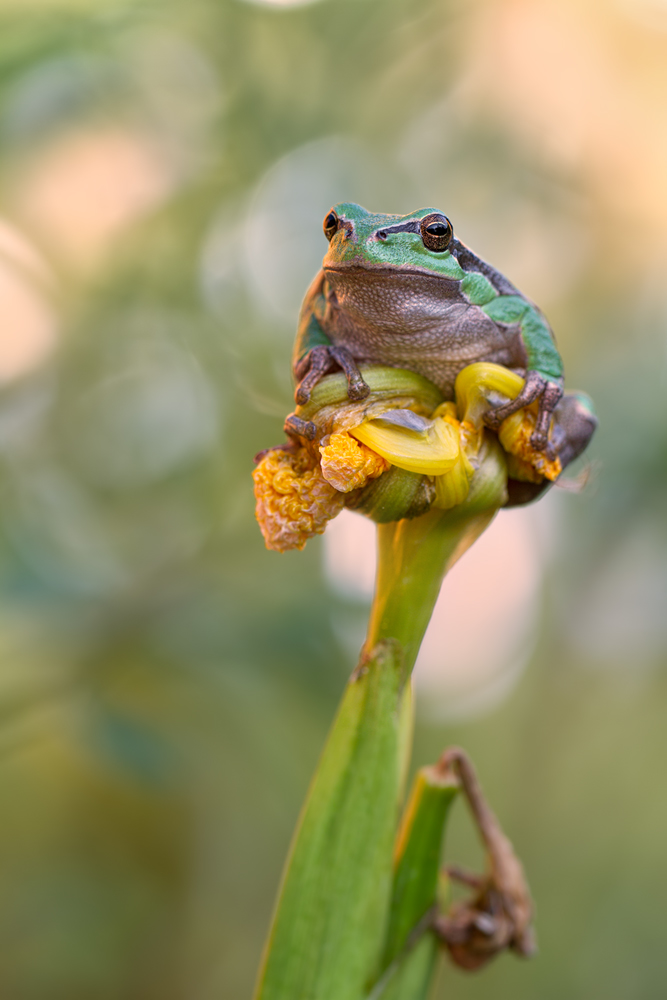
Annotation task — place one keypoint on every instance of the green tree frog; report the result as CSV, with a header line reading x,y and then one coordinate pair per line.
x,y
403,291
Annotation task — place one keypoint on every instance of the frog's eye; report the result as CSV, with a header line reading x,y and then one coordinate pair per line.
x,y
436,232
330,224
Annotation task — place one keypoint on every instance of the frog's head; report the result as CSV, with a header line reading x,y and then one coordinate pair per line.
x,y
420,242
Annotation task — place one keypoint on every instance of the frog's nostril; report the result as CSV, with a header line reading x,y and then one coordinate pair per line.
x,y
381,235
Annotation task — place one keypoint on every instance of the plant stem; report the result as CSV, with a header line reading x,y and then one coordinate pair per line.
x,y
413,557
327,934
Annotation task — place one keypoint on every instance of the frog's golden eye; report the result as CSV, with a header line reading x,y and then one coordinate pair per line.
x,y
436,232
330,224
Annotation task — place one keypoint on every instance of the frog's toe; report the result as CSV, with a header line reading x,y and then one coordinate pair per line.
x,y
310,370
297,427
302,393
356,387
550,397
357,390
540,442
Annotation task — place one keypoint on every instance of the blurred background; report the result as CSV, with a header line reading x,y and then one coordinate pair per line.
x,y
166,683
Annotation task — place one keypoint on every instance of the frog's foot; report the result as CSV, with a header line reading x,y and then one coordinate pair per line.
x,y
310,370
295,428
318,362
549,400
534,385
549,393
356,387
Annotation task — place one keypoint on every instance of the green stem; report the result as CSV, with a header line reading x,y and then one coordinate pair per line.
x,y
413,557
327,936
327,933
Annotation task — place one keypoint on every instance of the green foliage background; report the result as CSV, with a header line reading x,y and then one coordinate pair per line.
x,y
165,683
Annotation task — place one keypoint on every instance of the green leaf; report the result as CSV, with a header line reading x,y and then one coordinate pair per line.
x,y
411,950
327,934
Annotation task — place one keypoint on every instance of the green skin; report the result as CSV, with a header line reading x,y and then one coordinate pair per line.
x,y
384,296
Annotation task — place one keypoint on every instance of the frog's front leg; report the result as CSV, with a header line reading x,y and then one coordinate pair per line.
x,y
309,370
318,361
314,353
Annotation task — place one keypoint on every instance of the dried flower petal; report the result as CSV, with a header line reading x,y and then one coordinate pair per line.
x,y
294,501
347,464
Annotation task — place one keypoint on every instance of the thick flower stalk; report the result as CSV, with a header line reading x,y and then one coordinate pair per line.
x,y
360,914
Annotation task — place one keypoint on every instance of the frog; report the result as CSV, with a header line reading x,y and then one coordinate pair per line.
x,y
405,292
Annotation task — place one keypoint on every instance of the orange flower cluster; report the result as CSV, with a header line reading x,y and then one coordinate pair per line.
x,y
294,501
348,464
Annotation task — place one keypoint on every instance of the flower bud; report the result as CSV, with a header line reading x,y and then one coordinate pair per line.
x,y
488,487
402,450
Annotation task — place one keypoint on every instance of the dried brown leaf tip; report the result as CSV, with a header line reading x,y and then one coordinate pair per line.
x,y
498,916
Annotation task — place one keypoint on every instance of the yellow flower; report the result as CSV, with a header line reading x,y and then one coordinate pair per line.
x,y
294,501
403,423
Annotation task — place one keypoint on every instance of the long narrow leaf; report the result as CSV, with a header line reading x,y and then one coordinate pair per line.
x,y
326,937
410,948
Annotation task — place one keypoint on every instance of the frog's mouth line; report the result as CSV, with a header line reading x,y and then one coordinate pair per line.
x,y
384,271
